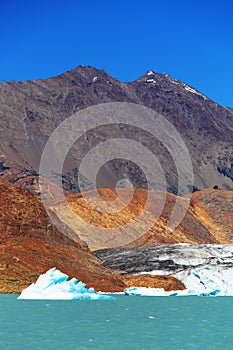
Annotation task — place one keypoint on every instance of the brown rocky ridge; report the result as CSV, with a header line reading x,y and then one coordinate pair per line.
x,y
30,245
208,219
215,209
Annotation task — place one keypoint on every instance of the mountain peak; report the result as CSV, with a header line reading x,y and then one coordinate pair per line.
x,y
150,72
42,104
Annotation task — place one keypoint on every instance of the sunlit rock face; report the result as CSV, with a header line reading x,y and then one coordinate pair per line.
x,y
54,285
30,245
208,219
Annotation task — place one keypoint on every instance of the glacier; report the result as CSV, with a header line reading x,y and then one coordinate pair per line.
x,y
54,285
203,281
205,269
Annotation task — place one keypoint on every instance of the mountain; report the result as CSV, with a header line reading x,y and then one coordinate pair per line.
x,y
30,245
208,219
31,110
215,210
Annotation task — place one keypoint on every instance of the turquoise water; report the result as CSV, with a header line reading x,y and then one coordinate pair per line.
x,y
127,323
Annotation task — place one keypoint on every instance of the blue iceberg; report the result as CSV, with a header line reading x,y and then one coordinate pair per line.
x,y
54,285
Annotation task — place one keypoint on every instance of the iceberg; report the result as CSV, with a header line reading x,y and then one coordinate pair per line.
x,y
159,292
54,285
203,281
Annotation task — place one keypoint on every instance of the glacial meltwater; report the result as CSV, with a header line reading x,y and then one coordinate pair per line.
x,y
131,323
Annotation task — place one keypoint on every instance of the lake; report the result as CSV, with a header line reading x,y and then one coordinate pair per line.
x,y
137,323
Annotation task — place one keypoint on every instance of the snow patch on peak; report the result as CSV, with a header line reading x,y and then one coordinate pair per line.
x,y
95,79
150,72
174,81
189,89
151,81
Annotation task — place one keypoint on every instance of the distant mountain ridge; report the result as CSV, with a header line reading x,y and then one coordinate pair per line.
x,y
31,110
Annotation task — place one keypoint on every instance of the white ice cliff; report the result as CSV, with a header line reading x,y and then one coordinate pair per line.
x,y
205,269
203,281
55,285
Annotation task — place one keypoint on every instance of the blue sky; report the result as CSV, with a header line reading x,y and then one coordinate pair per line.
x,y
190,40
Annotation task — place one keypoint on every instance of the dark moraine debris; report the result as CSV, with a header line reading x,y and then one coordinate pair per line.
x,y
169,259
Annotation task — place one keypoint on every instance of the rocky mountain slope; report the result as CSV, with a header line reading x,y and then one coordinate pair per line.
x,y
30,245
208,219
215,210
31,110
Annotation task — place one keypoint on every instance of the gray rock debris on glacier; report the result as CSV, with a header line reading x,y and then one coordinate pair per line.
x,y
205,269
168,259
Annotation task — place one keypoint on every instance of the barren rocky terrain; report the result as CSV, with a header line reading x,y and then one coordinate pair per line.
x,y
30,245
31,110
208,219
